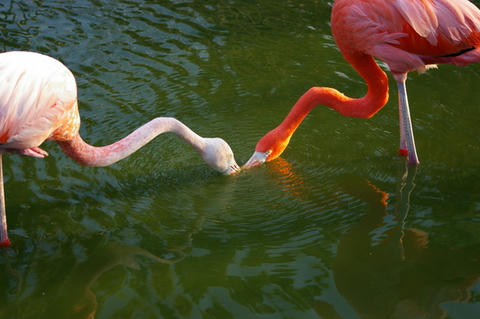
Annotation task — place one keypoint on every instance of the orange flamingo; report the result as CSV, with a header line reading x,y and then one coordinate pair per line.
x,y
407,35
38,102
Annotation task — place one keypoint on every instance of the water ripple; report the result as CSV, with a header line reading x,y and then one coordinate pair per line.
x,y
162,235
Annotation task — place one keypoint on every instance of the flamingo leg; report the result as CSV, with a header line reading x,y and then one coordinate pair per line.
x,y
4,241
407,141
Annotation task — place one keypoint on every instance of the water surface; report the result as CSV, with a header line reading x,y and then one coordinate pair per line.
x,y
338,227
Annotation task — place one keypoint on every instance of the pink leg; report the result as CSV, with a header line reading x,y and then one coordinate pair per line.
x,y
407,142
4,240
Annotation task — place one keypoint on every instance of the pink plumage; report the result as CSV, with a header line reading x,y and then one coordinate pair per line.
x,y
37,100
408,34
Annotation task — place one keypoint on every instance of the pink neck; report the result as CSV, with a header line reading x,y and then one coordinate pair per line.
x,y
365,107
89,155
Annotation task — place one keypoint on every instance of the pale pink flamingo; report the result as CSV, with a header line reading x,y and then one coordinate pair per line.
x,y
38,102
407,35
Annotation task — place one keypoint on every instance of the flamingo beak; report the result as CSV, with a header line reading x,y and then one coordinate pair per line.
x,y
257,159
233,169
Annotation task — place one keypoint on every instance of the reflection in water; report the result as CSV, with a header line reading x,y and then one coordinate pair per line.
x,y
75,298
291,183
391,271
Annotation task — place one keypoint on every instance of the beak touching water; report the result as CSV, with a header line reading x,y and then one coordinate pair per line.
x,y
232,170
257,159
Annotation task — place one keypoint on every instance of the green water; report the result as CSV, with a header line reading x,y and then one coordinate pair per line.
x,y
338,227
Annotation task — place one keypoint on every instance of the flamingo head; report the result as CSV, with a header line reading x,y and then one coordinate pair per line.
x,y
269,147
219,156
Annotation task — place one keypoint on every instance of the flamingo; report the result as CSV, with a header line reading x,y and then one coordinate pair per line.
x,y
38,102
407,35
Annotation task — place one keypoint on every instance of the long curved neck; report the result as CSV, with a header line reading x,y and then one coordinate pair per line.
x,y
89,155
365,107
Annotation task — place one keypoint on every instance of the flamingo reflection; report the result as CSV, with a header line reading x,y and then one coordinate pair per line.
x,y
291,183
76,297
395,271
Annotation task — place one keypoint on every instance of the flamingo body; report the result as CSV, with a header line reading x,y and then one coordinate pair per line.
x,y
38,102
407,35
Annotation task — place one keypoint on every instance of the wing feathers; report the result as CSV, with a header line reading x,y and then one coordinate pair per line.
x,y
35,94
454,20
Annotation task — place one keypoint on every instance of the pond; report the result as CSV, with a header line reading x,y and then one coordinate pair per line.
x,y
338,227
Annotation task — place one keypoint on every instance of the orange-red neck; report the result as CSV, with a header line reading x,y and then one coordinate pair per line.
x,y
365,107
